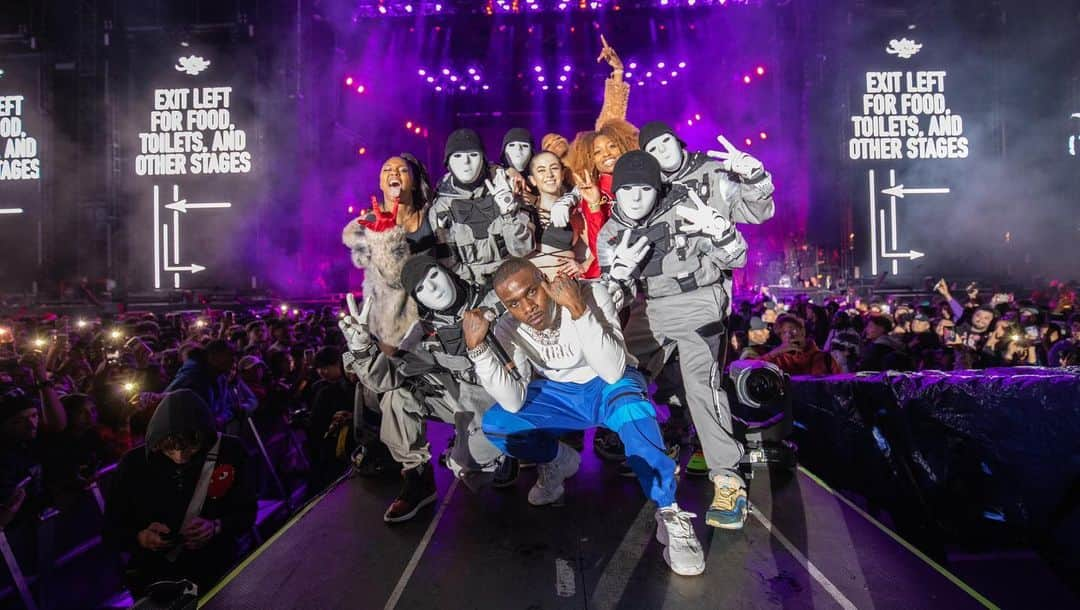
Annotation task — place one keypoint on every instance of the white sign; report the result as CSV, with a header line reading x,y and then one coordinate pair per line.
x,y
18,150
191,132
905,115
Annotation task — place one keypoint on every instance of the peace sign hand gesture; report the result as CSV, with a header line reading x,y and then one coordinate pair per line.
x,y
736,161
354,326
501,191
701,218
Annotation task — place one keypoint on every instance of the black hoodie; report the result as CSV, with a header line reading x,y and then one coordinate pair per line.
x,y
150,488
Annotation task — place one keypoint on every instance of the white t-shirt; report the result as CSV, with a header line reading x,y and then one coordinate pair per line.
x,y
573,351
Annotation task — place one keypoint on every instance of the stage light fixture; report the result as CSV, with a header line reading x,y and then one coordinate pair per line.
x,y
760,71
748,141
746,79
540,78
660,65
682,64
359,88
764,136
284,308
446,71
349,81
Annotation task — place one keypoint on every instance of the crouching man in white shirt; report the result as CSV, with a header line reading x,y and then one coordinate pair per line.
x,y
568,335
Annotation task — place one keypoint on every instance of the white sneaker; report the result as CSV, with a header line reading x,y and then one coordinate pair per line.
x,y
682,551
549,484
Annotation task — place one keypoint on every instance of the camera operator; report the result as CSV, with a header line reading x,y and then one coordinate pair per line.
x,y
798,354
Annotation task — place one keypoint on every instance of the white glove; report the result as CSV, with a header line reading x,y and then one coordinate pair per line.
x,y
354,326
560,210
502,192
700,218
736,161
627,257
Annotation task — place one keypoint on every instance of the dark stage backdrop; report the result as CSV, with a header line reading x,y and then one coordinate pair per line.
x,y
378,87
191,166
963,123
23,154
955,142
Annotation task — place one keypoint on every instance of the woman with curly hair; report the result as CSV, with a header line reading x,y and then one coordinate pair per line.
x,y
591,161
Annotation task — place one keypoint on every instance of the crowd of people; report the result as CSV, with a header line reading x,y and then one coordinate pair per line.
x,y
935,331
151,393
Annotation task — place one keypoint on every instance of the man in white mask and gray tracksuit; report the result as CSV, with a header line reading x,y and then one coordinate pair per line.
x,y
476,212
679,250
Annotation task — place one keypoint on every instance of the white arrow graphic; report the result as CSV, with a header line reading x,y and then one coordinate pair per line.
x,y
900,191
11,210
184,206
192,268
912,254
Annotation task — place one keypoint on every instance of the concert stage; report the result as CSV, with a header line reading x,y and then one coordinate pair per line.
x,y
803,547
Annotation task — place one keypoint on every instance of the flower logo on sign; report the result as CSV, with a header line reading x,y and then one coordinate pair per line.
x,y
903,48
191,65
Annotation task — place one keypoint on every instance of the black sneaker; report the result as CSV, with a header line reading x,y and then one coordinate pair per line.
x,y
417,491
507,473
672,452
608,446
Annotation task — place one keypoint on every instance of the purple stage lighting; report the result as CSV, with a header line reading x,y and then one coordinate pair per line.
x,y
348,81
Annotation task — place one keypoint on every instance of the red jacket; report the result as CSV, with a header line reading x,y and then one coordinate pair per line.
x,y
594,221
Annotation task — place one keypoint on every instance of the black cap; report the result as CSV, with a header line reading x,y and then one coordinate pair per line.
x,y
517,134
415,270
462,140
650,131
636,167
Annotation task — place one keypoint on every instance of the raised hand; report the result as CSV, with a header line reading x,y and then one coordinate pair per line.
x,y
736,161
383,221
585,184
475,326
354,326
701,218
502,192
566,292
609,55
627,257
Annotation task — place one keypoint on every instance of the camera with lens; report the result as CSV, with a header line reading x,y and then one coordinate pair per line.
x,y
760,397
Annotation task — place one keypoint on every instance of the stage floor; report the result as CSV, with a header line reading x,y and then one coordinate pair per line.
x,y
803,547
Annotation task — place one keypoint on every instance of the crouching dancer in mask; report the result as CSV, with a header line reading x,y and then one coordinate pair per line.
x,y
679,249
568,333
427,375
